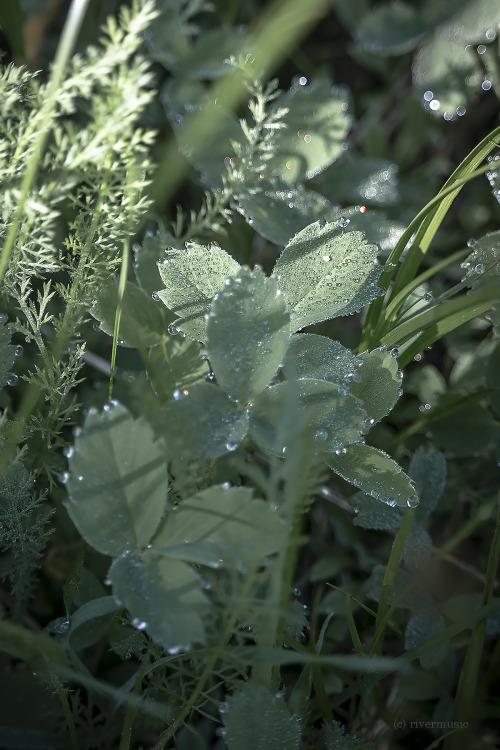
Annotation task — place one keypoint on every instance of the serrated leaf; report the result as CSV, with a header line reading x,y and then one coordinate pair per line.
x,y
428,471
376,227
192,277
118,483
7,352
223,526
393,29
143,323
375,473
325,273
278,211
336,738
416,597
202,422
334,418
421,626
248,330
372,514
450,71
254,719
163,596
312,356
317,124
146,257
358,180
417,550
176,364
376,383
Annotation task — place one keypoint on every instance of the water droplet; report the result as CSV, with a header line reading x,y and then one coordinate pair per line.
x,y
63,477
18,350
320,436
412,502
343,222
139,624
225,486
223,707
231,446
481,49
471,242
156,296
77,431
391,502
368,422
172,329
60,625
417,357
424,407
479,268
68,451
12,379
394,352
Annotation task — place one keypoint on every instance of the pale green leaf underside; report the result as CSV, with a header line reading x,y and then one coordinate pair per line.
x,y
146,257
202,422
175,364
278,211
118,484
247,334
192,277
317,124
312,356
334,418
326,273
163,596
377,383
257,720
228,521
375,473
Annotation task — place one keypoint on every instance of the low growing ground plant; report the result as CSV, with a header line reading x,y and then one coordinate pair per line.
x,y
194,408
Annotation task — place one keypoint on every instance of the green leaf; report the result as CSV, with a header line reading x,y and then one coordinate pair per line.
x,y
192,277
421,626
325,273
206,57
336,738
470,24
7,352
358,180
377,383
493,176
175,364
143,322
418,548
449,71
334,416
278,211
393,29
146,257
428,471
89,623
163,596
221,526
202,422
375,473
37,649
484,268
118,483
317,124
254,719
469,429
374,224
370,513
312,356
248,330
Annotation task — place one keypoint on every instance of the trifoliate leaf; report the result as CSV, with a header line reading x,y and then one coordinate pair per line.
x,y
118,483
377,383
221,526
375,473
278,211
163,596
326,273
248,330
192,277
312,356
317,124
143,322
393,29
202,422
428,472
254,719
334,417
449,71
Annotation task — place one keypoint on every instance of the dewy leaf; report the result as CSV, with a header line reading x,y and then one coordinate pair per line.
x,y
428,471
393,29
7,352
375,473
472,22
118,483
278,211
449,71
143,322
358,180
333,415
483,263
163,596
239,527
326,273
312,356
254,719
192,277
146,257
175,364
317,124
370,513
248,330
377,383
202,422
